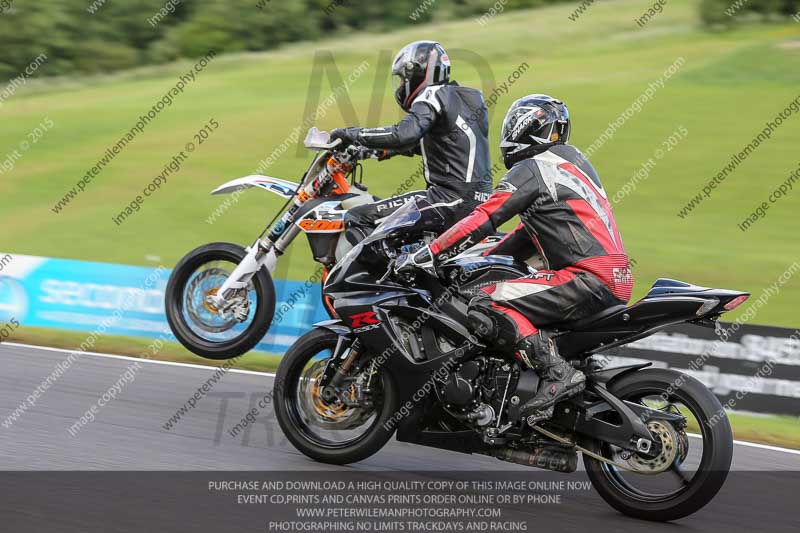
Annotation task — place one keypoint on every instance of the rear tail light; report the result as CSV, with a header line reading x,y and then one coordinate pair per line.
x,y
736,302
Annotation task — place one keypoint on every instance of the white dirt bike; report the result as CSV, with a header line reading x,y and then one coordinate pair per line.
x,y
220,299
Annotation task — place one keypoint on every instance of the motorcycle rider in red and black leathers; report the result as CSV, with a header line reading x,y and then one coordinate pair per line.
x,y
447,125
565,216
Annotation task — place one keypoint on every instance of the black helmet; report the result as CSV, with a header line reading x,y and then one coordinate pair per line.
x,y
417,66
533,124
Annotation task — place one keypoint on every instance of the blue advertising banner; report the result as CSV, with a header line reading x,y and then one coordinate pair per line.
x,y
125,300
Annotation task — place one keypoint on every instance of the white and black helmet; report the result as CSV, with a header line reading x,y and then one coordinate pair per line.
x,y
418,66
532,124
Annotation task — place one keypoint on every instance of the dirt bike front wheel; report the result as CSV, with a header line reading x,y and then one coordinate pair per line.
x,y
198,325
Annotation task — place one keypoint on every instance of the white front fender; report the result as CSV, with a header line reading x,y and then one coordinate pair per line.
x,y
278,186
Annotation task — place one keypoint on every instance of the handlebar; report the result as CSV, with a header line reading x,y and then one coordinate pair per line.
x,y
358,152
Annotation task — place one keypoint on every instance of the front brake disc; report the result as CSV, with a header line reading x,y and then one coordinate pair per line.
x,y
201,313
338,415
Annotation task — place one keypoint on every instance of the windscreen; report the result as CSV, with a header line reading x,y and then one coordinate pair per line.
x,y
406,216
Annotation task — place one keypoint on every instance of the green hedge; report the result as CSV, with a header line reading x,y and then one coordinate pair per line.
x,y
87,36
120,35
729,12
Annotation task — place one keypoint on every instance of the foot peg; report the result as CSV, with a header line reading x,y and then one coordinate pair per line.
x,y
540,416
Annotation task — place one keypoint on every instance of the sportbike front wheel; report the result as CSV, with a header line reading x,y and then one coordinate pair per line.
x,y
203,329
693,462
341,430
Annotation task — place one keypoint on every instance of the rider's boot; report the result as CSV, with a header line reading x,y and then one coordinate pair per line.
x,y
560,380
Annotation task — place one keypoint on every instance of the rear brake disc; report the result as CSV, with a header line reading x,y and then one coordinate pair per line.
x,y
670,448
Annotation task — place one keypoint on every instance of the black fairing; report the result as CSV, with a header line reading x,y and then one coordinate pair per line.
x,y
671,287
473,269
668,302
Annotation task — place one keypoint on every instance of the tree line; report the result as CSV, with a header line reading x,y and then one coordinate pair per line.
x,y
90,36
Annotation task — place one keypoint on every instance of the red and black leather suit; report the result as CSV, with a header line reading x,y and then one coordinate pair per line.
x,y
565,216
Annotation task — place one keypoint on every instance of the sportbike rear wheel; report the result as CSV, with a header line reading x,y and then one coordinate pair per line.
x,y
690,468
198,325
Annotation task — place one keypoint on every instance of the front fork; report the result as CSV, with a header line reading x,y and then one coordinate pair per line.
x,y
339,368
257,256
263,253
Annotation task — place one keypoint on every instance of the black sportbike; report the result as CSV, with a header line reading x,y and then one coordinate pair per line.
x,y
656,443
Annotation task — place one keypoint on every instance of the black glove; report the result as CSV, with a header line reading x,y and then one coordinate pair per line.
x,y
422,259
385,153
347,135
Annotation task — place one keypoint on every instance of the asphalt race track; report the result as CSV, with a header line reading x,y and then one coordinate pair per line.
x,y
128,434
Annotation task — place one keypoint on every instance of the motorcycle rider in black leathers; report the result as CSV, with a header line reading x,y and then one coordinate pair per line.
x,y
565,216
447,124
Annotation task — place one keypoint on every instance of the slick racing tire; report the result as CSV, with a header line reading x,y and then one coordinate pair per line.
x,y
336,435
694,491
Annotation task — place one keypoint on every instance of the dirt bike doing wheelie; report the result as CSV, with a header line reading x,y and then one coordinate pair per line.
x,y
220,299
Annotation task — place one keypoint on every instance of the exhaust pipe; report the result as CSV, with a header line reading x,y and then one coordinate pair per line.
x,y
555,459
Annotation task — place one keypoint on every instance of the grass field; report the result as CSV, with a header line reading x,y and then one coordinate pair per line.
x,y
730,84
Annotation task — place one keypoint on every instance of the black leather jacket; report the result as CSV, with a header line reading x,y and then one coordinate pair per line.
x,y
448,125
